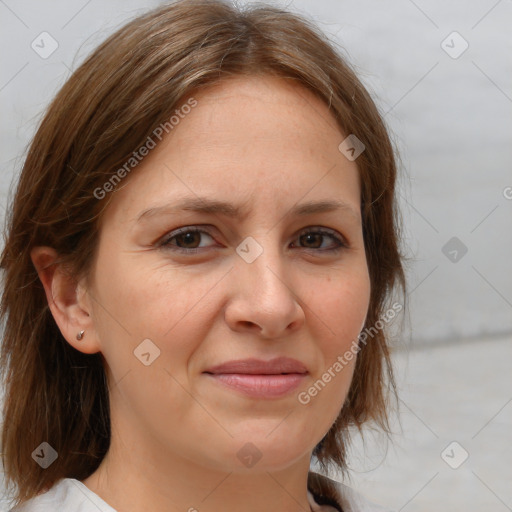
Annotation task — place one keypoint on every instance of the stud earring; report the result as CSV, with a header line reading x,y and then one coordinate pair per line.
x,y
80,335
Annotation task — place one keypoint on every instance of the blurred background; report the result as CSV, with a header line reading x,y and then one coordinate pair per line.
x,y
441,74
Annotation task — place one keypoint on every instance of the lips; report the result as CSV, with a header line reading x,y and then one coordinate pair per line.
x,y
275,366
260,379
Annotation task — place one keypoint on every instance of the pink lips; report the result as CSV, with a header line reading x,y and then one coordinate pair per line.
x,y
260,379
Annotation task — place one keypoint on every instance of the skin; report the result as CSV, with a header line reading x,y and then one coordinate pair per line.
x,y
265,144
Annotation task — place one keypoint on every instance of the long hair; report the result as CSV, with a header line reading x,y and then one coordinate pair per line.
x,y
107,109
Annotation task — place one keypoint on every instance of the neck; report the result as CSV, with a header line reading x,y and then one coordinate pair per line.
x,y
131,481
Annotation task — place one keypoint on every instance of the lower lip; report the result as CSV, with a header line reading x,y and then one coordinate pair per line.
x,y
260,386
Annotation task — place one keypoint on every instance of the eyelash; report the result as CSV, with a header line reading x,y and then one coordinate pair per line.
x,y
183,231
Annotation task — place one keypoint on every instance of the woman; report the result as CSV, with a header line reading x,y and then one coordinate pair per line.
x,y
198,262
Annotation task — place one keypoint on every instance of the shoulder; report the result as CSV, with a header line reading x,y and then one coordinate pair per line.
x,y
326,490
72,495
67,494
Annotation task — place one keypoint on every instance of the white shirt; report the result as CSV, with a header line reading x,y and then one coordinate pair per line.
x,y
71,495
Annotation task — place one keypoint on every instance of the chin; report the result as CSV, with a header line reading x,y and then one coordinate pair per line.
x,y
267,452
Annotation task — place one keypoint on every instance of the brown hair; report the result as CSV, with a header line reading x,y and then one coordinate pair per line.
x,y
106,110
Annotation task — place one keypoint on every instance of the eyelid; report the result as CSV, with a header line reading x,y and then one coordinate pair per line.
x,y
185,229
320,230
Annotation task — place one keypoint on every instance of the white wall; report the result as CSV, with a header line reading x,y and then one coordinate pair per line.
x,y
451,117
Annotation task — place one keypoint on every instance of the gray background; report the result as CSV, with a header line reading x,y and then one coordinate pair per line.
x,y
451,120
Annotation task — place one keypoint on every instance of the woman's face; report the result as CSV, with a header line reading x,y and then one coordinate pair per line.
x,y
256,275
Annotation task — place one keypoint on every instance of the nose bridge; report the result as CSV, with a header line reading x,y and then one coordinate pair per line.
x,y
262,297
263,265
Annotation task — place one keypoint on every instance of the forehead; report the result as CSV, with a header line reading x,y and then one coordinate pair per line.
x,y
264,88
247,136
263,105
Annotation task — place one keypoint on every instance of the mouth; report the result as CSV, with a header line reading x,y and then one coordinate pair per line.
x,y
260,379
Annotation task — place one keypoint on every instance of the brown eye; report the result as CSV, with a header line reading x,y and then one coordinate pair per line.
x,y
313,239
189,239
185,239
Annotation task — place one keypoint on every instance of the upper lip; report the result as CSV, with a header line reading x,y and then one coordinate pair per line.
x,y
253,366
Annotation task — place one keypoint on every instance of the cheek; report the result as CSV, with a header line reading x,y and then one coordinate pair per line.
x,y
171,307
342,306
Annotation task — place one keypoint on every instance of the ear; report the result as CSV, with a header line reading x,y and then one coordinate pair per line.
x,y
70,306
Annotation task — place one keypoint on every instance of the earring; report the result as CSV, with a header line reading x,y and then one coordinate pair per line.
x,y
80,335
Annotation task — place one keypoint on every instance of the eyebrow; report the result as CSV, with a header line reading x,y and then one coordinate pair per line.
x,y
212,206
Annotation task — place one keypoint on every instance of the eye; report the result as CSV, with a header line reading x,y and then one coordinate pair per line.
x,y
313,237
188,240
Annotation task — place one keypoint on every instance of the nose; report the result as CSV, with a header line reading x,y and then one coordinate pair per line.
x,y
263,299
